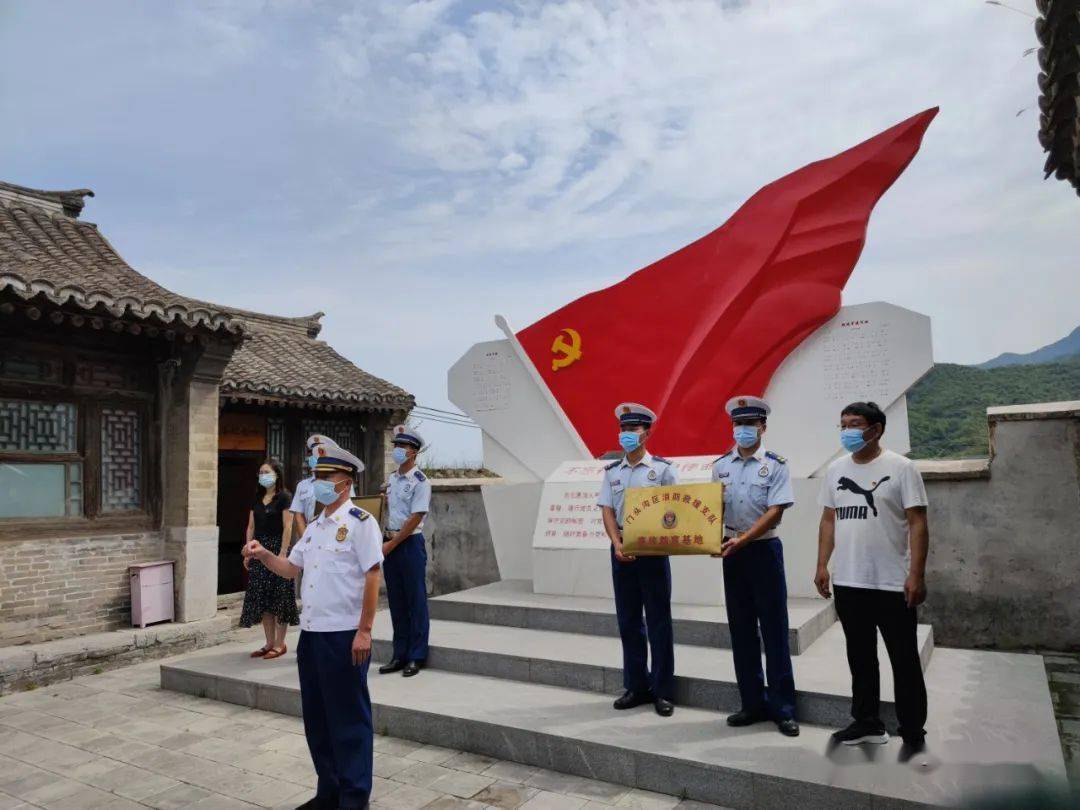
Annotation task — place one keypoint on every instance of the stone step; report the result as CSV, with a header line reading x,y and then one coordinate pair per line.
x,y
705,677
991,726
512,603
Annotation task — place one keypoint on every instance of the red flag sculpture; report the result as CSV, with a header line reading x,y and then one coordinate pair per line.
x,y
717,317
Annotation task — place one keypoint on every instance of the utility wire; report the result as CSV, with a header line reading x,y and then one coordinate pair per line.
x,y
437,410
463,420
425,418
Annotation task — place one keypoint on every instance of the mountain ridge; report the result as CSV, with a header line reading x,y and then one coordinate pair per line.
x,y
1052,352
947,407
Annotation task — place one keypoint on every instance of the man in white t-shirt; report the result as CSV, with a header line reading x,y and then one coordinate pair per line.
x,y
873,527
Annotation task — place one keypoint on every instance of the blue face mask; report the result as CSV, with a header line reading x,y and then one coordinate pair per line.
x,y
325,491
399,455
629,441
746,435
312,461
852,439
266,480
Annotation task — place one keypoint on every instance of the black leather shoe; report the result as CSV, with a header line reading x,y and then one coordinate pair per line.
x,y
664,708
316,803
745,718
393,666
789,728
631,699
411,669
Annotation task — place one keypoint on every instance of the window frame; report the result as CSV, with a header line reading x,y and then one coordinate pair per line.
x,y
89,402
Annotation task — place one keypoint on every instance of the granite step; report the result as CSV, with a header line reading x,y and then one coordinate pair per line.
x,y
991,726
512,603
705,677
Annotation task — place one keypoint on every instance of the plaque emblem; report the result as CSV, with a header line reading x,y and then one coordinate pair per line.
x,y
669,520
652,475
342,533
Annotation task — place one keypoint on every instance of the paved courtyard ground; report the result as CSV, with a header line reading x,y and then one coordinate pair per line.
x,y
1063,670
117,740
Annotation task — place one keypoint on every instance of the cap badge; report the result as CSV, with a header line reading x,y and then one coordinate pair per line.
x,y
342,533
742,403
626,409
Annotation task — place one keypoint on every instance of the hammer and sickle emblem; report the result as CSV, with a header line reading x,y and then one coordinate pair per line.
x,y
565,353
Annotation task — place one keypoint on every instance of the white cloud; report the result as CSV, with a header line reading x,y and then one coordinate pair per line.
x,y
478,157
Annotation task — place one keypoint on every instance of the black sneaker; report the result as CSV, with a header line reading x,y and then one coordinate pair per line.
x,y
861,732
912,747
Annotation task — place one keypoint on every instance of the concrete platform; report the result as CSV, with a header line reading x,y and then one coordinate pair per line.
x,y
705,676
991,727
512,603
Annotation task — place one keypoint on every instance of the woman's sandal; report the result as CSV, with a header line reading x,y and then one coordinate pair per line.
x,y
275,653
263,651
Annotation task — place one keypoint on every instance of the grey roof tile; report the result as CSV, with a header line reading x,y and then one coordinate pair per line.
x,y
46,250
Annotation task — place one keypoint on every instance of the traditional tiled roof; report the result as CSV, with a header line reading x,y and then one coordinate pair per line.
x,y
1058,30
45,250
282,360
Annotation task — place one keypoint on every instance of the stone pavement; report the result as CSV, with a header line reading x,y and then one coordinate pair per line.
x,y
1063,670
117,740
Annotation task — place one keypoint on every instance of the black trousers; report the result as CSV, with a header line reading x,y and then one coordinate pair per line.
x,y
862,612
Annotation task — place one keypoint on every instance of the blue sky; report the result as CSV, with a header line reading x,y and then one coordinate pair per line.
x,y
412,169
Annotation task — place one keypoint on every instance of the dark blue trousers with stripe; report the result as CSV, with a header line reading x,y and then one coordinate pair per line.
x,y
405,572
337,717
755,592
644,586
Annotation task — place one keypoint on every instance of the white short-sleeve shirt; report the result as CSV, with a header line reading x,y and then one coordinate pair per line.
x,y
336,552
872,546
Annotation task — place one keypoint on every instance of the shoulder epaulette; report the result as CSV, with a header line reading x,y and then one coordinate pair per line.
x,y
775,457
613,465
728,453
420,476
661,458
359,513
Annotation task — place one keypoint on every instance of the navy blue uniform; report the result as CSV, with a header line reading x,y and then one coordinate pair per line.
x,y
643,585
755,587
336,552
405,568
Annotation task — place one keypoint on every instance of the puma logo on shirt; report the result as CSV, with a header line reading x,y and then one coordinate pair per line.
x,y
845,483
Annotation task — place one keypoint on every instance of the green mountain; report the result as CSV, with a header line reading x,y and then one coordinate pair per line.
x,y
947,408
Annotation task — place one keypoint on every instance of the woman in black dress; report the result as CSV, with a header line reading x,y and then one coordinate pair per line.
x,y
269,599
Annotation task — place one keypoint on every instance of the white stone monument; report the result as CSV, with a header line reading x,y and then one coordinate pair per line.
x,y
544,520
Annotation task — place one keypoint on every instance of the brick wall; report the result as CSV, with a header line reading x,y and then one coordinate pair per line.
x,y
57,587
203,407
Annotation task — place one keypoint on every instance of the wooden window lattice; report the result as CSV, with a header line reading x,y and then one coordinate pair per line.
x,y
37,427
121,460
275,438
